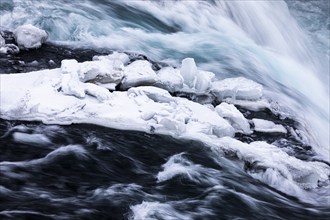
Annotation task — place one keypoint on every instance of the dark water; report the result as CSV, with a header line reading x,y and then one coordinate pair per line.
x,y
91,172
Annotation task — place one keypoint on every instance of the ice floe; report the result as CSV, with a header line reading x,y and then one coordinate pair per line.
x,y
28,36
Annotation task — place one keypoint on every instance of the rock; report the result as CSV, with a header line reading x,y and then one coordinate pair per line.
x,y
28,36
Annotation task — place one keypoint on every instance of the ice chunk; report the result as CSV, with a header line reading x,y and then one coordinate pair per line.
x,y
170,79
154,93
31,139
262,125
102,94
122,57
235,117
138,73
199,81
28,36
237,88
102,71
74,73
71,84
2,41
188,71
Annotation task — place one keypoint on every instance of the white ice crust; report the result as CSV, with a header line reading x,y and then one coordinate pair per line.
x,y
76,93
28,36
138,73
237,88
170,79
2,41
265,126
235,117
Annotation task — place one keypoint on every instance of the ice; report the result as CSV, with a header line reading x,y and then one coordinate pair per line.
x,y
235,117
262,125
198,81
138,73
102,71
31,139
74,75
256,105
170,79
237,88
2,41
28,36
122,57
71,84
189,71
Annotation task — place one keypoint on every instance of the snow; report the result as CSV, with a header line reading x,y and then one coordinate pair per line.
x,y
138,73
28,36
237,88
235,117
262,125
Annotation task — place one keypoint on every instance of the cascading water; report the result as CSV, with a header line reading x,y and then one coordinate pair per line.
x,y
282,45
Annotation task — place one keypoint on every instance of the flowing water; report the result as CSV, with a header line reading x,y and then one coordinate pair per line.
x,y
84,172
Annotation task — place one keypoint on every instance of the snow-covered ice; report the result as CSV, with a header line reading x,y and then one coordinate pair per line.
x,y
266,126
237,88
235,117
138,73
2,41
170,79
28,36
